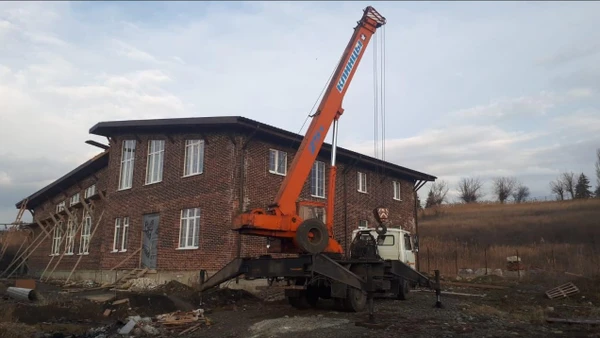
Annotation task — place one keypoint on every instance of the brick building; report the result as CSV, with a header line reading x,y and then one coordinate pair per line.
x,y
163,194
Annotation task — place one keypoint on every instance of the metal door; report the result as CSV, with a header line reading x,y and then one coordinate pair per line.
x,y
150,241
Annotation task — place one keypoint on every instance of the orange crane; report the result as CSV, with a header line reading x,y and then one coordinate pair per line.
x,y
281,220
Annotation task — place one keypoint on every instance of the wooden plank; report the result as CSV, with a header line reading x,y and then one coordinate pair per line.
x,y
573,321
125,259
473,285
29,254
65,250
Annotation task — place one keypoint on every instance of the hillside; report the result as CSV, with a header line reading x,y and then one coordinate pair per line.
x,y
550,235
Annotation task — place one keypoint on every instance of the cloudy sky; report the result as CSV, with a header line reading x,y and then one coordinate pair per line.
x,y
472,89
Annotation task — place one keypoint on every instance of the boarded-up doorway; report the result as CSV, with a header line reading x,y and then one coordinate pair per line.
x,y
150,241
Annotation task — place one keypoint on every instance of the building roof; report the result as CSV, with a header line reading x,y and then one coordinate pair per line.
x,y
86,169
195,124
114,128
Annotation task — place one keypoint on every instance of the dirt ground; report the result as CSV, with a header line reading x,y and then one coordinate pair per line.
x,y
521,309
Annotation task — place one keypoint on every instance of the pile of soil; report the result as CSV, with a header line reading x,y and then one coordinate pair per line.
x,y
175,288
76,310
215,298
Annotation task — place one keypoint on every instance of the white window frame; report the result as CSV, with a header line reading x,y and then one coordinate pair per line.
x,y
276,154
117,234
317,180
56,238
70,236
362,182
90,191
60,207
189,218
194,158
75,199
363,221
154,164
397,190
120,237
127,164
86,234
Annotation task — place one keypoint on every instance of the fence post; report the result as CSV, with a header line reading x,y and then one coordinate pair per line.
x,y
485,257
428,267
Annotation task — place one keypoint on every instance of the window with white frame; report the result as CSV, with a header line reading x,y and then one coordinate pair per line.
x,y
154,168
189,231
75,199
194,157
60,206
317,179
363,223
397,191
121,233
86,233
127,163
362,182
277,162
56,238
70,235
90,191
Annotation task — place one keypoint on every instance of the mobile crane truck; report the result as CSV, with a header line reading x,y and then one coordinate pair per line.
x,y
314,266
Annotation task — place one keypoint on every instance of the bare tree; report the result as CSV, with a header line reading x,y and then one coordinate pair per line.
x,y
568,180
437,194
558,188
597,192
470,189
521,193
504,187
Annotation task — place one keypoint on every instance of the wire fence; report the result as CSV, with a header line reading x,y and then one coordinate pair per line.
x,y
453,258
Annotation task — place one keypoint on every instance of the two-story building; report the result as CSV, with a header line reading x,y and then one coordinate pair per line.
x,y
163,194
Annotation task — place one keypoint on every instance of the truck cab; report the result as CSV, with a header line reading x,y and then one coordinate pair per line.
x,y
395,245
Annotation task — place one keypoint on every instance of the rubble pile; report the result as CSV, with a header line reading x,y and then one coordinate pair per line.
x,y
142,284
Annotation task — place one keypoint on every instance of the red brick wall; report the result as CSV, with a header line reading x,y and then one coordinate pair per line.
x,y
217,193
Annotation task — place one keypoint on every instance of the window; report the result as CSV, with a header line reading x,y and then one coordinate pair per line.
x,y
127,162
120,236
189,231
154,168
385,240
362,182
75,199
70,236
407,244
363,223
194,157
277,162
317,179
60,207
90,191
55,251
397,191
84,242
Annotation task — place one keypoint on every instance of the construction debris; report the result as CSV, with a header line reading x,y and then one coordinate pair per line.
x,y
22,293
574,321
562,291
179,317
120,301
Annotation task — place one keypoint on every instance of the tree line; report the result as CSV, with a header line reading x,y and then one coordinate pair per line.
x,y
470,190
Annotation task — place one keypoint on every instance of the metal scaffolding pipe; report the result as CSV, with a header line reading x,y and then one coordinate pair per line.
x,y
22,293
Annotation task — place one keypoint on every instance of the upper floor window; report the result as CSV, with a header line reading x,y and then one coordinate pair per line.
x,y
60,207
397,190
75,199
127,162
154,168
317,179
277,162
90,191
194,157
362,182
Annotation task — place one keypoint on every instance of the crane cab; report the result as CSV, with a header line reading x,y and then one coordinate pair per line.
x,y
395,245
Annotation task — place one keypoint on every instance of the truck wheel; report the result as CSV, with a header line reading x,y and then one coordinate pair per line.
x,y
356,300
403,290
312,236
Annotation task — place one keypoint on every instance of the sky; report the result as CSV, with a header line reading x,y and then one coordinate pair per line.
x,y
472,89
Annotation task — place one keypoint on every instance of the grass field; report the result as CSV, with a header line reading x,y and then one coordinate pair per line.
x,y
557,236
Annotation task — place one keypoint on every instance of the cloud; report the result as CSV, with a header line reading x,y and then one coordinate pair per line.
x,y
457,103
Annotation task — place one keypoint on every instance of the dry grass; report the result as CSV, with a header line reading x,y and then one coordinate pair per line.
x,y
554,236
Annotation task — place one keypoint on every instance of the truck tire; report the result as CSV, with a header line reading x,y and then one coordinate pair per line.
x,y
356,300
312,236
403,290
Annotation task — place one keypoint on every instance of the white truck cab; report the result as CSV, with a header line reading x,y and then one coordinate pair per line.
x,y
396,244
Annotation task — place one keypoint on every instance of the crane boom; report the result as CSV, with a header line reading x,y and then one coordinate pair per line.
x,y
281,219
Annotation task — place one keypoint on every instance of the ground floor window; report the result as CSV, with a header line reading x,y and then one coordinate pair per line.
x,y
120,235
70,239
189,231
86,230
56,238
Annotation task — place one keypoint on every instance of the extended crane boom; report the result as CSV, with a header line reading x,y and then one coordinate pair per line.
x,y
281,220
